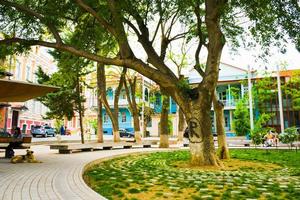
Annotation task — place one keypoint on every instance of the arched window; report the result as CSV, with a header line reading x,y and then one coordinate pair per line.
x,y
157,99
123,94
109,93
146,94
123,117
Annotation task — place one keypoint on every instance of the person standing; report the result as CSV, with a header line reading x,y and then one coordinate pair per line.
x,y
62,130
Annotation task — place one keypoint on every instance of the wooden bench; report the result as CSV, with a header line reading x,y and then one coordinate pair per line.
x,y
70,148
11,139
6,141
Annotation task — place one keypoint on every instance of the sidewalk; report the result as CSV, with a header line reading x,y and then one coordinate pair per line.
x,y
58,177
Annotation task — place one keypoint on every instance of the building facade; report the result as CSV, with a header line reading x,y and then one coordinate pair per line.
x,y
29,113
232,86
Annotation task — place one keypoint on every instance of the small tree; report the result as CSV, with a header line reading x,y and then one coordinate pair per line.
x,y
258,133
241,122
289,136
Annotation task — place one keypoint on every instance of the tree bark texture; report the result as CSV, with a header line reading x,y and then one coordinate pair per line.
x,y
222,152
99,105
113,114
80,108
180,125
131,95
201,139
198,112
164,131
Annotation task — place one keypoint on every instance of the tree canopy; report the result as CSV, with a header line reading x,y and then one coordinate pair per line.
x,y
83,27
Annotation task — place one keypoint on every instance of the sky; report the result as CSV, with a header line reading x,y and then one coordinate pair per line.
x,y
244,58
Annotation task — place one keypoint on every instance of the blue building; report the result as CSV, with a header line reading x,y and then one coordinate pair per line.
x,y
231,79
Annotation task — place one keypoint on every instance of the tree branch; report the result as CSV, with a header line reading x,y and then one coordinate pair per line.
x,y
33,13
99,19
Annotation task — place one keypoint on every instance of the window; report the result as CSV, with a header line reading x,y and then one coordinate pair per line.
x,y
109,94
123,117
157,99
27,73
105,118
222,95
226,121
123,94
18,70
146,94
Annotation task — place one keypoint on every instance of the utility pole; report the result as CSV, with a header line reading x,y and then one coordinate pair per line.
x,y
143,105
280,101
250,98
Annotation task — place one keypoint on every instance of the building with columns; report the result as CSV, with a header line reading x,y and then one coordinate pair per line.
x,y
231,79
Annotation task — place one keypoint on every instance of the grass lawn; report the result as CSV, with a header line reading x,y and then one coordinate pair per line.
x,y
251,174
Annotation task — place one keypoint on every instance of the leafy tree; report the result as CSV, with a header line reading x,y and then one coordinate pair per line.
x,y
289,136
241,122
291,89
211,23
70,98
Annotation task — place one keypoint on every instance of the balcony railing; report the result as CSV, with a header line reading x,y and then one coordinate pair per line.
x,y
231,103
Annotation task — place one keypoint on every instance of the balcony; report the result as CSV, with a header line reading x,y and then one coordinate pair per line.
x,y
230,104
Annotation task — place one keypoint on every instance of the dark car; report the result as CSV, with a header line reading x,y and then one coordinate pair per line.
x,y
126,133
43,131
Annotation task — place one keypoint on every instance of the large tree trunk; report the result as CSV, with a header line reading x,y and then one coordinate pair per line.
x,y
80,108
99,122
180,125
81,127
113,114
99,105
223,152
137,129
130,94
201,139
198,112
164,132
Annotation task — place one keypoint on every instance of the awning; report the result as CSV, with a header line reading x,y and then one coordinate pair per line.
x,y
19,91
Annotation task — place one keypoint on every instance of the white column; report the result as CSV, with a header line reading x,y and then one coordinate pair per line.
x,y
228,102
250,99
242,91
280,101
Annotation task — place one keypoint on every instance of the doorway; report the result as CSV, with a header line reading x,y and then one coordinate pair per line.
x,y
15,119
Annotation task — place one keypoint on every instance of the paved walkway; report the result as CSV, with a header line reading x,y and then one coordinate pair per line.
x,y
58,177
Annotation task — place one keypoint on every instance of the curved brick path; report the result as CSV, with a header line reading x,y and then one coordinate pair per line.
x,y
58,177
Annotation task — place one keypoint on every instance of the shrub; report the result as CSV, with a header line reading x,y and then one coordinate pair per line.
x,y
258,133
289,136
241,122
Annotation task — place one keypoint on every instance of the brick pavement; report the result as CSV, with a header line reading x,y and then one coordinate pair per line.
x,y
58,177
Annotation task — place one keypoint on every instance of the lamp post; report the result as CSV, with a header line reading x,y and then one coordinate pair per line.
x,y
280,101
250,98
143,105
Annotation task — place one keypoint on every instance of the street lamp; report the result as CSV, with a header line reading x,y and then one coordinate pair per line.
x,y
143,105
280,101
250,98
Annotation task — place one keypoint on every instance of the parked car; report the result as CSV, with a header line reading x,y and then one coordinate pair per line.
x,y
43,131
126,133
